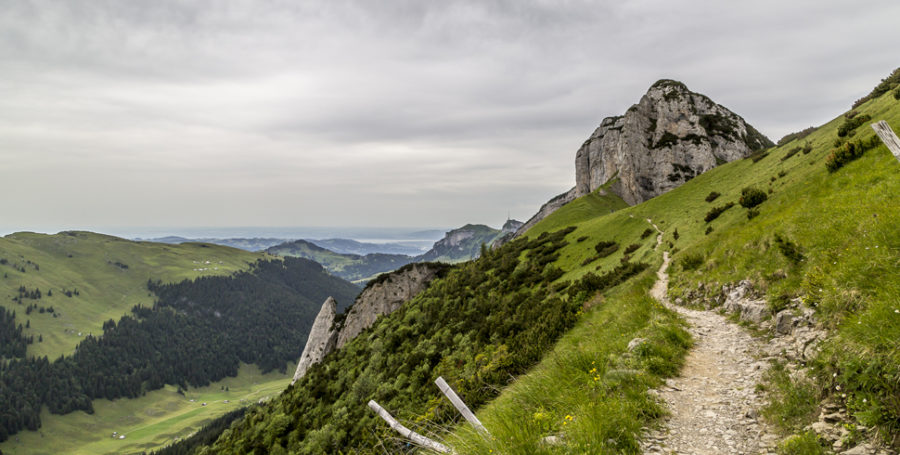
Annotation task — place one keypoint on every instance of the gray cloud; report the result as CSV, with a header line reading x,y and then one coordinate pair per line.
x,y
418,113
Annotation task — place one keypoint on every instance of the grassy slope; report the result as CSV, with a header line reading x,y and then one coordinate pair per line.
x,y
106,290
149,422
837,218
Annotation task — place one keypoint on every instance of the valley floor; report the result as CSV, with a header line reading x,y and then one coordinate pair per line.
x,y
149,422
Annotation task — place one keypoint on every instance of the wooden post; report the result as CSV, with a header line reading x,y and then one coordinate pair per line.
x,y
887,136
459,404
416,438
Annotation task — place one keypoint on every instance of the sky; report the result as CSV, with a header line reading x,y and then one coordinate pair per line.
x,y
222,113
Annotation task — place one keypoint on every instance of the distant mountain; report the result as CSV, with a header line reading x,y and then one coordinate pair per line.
x,y
253,244
348,246
351,267
461,244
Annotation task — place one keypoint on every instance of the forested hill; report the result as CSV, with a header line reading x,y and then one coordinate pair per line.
x,y
198,331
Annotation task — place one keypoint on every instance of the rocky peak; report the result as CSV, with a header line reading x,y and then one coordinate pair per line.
x,y
511,226
321,341
670,136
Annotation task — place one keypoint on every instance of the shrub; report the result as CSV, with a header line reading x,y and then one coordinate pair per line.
x,y
789,249
758,155
797,135
782,173
751,197
897,94
851,124
632,248
708,230
582,238
807,148
604,249
691,261
675,234
849,152
886,84
712,196
714,212
802,444
791,153
752,213
647,233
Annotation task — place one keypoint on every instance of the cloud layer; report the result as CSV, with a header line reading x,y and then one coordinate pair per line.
x,y
283,113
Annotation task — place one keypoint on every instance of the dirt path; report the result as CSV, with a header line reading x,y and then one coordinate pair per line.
x,y
714,403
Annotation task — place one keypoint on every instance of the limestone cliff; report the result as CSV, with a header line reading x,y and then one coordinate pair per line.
x,y
384,295
669,137
321,340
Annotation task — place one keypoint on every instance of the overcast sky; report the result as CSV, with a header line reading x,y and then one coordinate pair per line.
x,y
379,113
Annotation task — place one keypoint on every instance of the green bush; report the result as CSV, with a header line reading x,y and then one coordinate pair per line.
x,y
712,196
714,212
647,233
791,153
897,94
802,444
797,135
604,249
886,84
632,248
752,213
789,249
758,155
751,197
708,230
853,123
849,152
691,261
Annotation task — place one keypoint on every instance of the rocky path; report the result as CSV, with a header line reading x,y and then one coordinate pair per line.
x,y
714,403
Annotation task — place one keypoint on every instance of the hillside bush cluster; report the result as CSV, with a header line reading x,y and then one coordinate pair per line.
x,y
197,332
852,123
758,155
714,212
798,135
751,197
605,248
712,196
888,83
485,322
632,248
848,152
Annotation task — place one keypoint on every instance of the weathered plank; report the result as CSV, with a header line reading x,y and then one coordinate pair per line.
x,y
416,438
887,136
459,404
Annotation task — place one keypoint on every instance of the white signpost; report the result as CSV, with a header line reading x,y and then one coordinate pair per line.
x,y
884,131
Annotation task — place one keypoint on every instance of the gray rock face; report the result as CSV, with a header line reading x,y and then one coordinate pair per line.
x,y
385,297
322,339
668,138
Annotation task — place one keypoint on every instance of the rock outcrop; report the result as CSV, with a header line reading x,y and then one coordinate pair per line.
x,y
384,295
669,137
321,341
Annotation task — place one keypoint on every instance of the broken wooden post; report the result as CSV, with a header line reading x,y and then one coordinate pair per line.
x,y
459,404
884,131
416,438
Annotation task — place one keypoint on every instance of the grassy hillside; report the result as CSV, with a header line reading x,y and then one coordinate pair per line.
x,y
109,273
350,267
845,225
